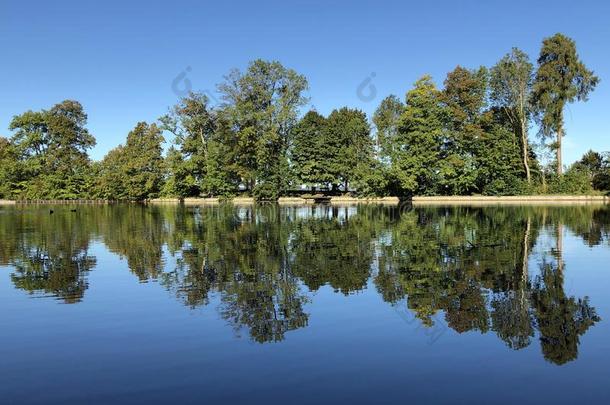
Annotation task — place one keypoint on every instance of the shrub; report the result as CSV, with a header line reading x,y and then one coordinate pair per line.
x,y
574,181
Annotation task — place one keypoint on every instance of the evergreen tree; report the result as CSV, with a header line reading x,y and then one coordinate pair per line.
x,y
561,78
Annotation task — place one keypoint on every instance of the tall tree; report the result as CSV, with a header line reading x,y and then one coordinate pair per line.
x,y
499,165
420,130
386,119
134,171
192,123
262,104
53,145
144,161
221,170
464,96
308,149
348,147
111,179
511,84
561,78
8,168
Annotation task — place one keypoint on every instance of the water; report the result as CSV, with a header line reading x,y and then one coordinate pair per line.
x,y
268,304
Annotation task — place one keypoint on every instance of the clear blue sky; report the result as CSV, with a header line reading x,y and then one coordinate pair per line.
x,y
119,58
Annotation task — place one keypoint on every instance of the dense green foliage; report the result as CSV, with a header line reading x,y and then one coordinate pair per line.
x,y
468,137
261,106
597,167
133,171
308,143
348,149
50,150
193,126
417,147
511,85
561,78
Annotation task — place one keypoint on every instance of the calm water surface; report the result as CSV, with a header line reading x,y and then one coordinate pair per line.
x,y
368,304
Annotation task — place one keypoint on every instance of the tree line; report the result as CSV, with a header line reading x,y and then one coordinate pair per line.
x,y
469,137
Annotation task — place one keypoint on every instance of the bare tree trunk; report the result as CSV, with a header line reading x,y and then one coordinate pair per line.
x,y
559,247
559,163
205,145
525,262
526,245
525,151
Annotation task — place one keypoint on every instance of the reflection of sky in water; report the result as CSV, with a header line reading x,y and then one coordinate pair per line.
x,y
138,334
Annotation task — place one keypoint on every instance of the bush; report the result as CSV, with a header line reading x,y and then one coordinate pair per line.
x,y
372,181
601,181
266,191
574,181
511,186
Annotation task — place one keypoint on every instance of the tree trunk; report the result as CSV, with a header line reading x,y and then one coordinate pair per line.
x,y
526,245
559,247
525,262
559,163
525,151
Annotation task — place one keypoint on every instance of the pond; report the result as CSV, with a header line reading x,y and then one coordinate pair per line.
x,y
308,304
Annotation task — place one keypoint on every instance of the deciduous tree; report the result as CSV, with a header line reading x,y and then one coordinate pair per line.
x,y
53,146
308,149
262,105
386,119
419,137
511,85
347,145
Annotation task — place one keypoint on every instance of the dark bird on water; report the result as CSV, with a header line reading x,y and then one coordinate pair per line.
x,y
73,210
50,211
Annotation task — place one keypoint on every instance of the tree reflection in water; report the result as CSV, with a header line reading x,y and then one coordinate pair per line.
x,y
470,264
49,254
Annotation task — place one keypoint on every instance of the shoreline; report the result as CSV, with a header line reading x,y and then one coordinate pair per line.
x,y
346,200
420,200
512,200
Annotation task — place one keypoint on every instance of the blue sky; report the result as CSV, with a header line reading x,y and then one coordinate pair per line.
x,y
119,58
